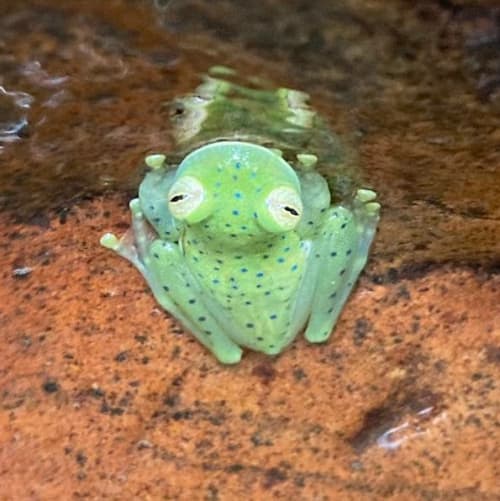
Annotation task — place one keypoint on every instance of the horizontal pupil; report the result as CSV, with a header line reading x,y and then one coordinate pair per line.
x,y
177,198
291,210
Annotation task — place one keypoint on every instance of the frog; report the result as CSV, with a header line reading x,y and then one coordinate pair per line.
x,y
242,239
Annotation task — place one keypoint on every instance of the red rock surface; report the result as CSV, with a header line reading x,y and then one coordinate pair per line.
x,y
103,396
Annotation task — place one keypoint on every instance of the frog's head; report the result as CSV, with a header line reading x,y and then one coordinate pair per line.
x,y
236,192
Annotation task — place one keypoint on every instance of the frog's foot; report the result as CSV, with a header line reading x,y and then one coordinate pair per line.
x,y
133,246
366,207
343,258
295,104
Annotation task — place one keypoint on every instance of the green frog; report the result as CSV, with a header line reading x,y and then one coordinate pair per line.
x,y
238,233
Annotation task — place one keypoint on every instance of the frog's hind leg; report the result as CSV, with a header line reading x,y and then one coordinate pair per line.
x,y
162,265
175,288
343,254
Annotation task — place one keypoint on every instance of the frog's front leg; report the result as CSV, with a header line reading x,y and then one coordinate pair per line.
x,y
176,290
153,199
343,253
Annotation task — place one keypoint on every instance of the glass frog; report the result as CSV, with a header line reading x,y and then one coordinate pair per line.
x,y
238,234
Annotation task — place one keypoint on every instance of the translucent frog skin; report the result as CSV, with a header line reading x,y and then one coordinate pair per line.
x,y
244,249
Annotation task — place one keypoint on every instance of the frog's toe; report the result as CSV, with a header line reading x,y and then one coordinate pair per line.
x,y
372,208
135,207
110,241
365,204
122,246
228,356
155,161
365,196
319,329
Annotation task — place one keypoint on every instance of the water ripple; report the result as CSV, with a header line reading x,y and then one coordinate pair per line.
x,y
414,427
34,72
14,106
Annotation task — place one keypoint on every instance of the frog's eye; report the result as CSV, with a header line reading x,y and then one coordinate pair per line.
x,y
283,210
185,198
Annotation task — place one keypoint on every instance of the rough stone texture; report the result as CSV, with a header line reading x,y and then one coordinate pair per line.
x,y
103,396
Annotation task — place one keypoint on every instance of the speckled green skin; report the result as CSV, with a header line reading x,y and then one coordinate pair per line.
x,y
232,279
